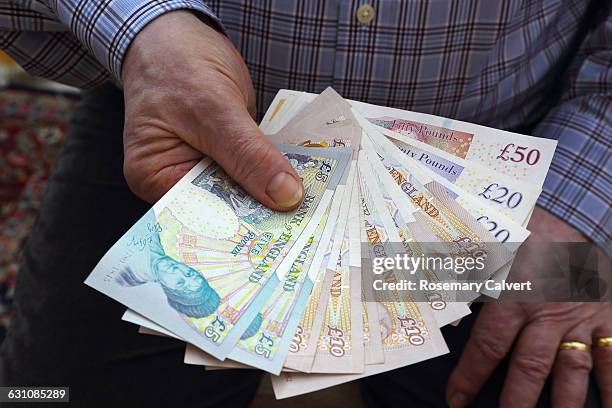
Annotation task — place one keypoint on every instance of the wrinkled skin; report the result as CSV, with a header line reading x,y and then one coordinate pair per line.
x,y
531,334
188,94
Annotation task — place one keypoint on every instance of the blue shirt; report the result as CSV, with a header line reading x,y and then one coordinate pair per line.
x,y
537,66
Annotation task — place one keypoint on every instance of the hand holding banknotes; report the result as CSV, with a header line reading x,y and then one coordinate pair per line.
x,y
187,94
537,330
246,287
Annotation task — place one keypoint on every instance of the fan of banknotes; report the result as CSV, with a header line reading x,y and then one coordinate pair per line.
x,y
247,287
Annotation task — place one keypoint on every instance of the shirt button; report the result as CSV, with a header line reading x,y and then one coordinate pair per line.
x,y
365,14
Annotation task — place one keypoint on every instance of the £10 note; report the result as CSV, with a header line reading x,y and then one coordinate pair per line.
x,y
303,347
340,348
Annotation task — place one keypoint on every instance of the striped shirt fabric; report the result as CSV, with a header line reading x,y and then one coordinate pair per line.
x,y
542,67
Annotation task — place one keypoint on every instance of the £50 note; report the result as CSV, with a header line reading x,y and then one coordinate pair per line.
x,y
521,157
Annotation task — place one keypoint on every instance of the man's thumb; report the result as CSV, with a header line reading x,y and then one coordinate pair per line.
x,y
256,164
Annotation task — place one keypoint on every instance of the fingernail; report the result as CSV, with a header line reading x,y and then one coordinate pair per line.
x,y
458,400
285,190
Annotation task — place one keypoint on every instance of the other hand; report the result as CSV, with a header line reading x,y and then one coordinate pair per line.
x,y
534,332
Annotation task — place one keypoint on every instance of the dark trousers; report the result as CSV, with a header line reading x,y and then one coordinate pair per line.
x,y
66,334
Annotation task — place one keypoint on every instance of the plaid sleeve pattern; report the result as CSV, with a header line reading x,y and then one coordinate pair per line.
x,y
492,62
27,15
578,188
32,34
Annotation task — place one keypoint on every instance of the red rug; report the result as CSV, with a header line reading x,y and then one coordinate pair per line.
x,y
32,131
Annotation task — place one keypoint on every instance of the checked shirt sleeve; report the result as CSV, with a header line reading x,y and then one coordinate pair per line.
x,y
79,42
578,188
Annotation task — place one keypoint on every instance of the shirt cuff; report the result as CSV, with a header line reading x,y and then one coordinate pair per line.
x,y
107,27
578,186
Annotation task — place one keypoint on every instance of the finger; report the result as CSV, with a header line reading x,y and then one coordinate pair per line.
x,y
530,364
602,361
256,164
571,371
491,338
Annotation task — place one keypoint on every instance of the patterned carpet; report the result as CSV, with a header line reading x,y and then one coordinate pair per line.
x,y
32,131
